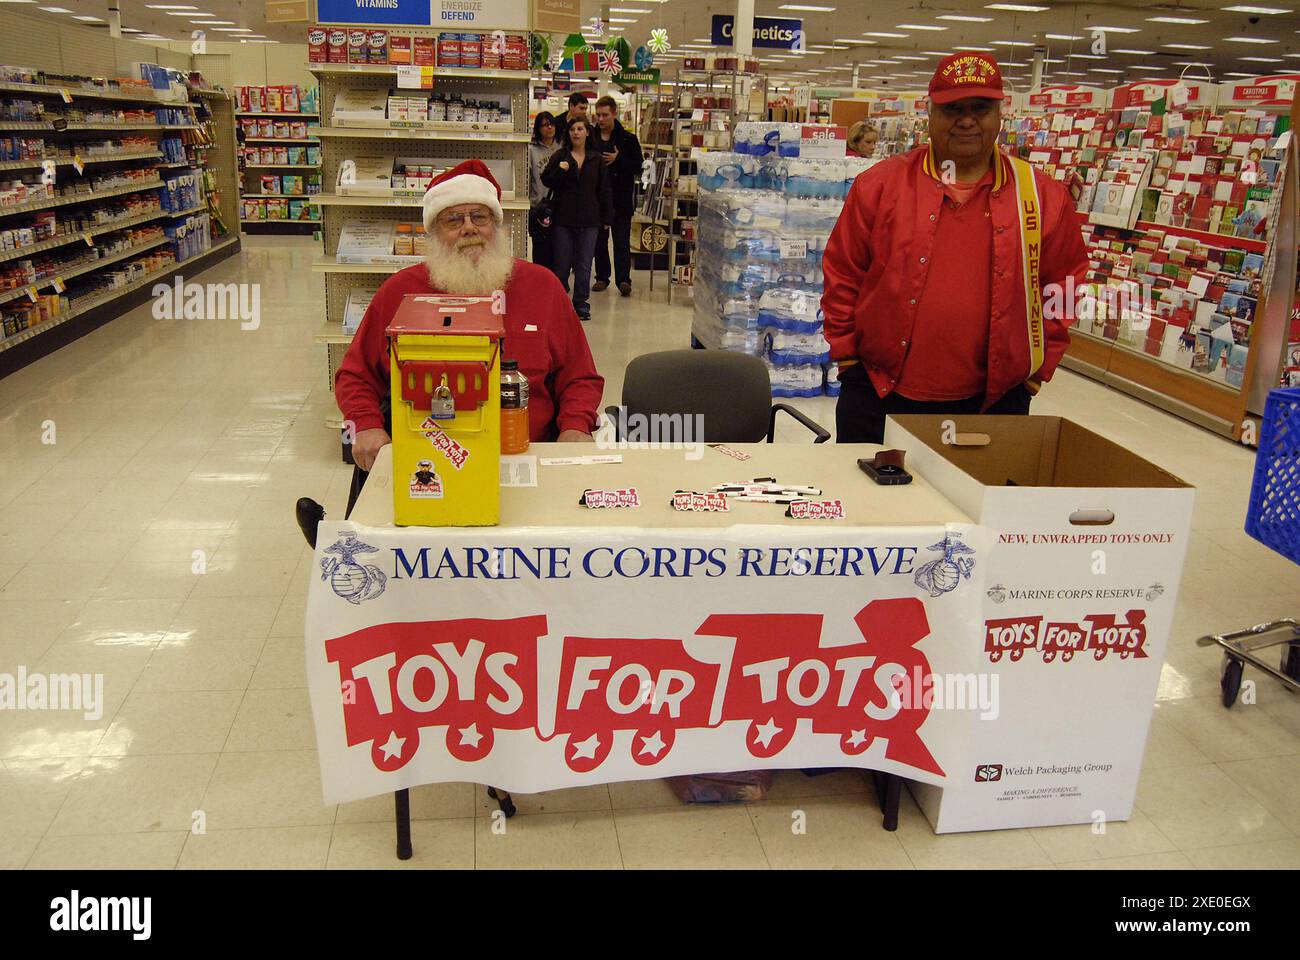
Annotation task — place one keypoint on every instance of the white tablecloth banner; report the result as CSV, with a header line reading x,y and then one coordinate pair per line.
x,y
544,658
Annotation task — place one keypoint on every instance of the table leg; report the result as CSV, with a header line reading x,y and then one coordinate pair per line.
x,y
889,792
402,809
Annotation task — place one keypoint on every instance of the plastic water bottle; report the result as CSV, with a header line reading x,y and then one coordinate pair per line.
x,y
514,408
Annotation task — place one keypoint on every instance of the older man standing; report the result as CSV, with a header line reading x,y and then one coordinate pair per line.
x,y
469,255
936,269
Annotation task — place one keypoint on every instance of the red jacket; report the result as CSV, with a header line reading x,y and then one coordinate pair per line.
x,y
564,387
878,256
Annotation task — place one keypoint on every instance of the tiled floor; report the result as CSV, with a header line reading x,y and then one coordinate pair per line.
x,y
180,444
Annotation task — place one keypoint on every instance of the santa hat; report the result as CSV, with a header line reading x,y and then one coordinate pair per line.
x,y
468,182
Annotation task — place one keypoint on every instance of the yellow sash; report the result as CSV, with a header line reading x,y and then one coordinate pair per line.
x,y
1029,213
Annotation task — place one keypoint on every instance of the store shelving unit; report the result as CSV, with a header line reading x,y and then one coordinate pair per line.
x,y
215,150
67,252
436,141
1135,364
251,189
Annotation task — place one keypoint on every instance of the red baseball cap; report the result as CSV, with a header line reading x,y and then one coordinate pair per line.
x,y
966,74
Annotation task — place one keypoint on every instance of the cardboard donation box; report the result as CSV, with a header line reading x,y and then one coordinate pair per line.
x,y
1081,582
445,368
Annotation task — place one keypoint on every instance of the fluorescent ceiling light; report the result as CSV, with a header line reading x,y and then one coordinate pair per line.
x,y
1248,40
1264,10
1016,7
1192,63
215,23
1071,73
1113,29
1241,74
863,43
903,56
1136,53
86,19
917,26
976,49
1189,21
1060,36
1087,56
828,46
1011,43
628,10
131,30
961,18
935,53
897,36
168,6
233,30
804,6
1263,59
189,13
620,20
1103,70
56,9
1011,63
1185,46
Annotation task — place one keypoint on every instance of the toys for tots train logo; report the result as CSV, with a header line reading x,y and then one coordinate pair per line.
x,y
772,673
1100,633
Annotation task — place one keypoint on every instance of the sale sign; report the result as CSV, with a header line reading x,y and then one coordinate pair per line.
x,y
539,659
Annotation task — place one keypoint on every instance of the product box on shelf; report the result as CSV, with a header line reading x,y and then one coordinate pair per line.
x,y
337,44
423,51
358,45
377,46
1061,640
399,49
317,45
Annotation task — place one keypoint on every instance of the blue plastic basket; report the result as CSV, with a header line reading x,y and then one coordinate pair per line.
x,y
1273,516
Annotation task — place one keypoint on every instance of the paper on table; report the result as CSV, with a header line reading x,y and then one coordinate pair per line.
x,y
576,461
518,471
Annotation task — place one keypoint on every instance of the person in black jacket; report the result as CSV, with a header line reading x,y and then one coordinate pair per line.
x,y
583,205
621,154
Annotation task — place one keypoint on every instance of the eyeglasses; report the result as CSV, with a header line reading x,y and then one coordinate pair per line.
x,y
453,221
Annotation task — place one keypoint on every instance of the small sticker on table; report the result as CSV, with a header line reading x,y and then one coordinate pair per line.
x,y
816,510
519,471
729,451
688,501
600,499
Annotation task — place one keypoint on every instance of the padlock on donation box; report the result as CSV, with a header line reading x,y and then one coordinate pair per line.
x,y
445,370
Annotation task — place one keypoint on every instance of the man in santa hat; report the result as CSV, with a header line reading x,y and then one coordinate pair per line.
x,y
468,254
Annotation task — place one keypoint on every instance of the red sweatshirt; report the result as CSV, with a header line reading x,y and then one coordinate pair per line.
x,y
542,332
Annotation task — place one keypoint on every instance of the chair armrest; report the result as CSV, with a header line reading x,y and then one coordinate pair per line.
x,y
612,413
822,434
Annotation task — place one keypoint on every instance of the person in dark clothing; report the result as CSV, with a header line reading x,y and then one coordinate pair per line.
x,y
577,111
583,205
545,143
621,154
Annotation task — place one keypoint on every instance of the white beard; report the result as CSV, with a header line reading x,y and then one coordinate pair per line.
x,y
452,271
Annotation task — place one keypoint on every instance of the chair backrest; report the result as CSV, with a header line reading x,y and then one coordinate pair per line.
x,y
731,391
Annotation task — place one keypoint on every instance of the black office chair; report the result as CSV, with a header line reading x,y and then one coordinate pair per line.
x,y
731,391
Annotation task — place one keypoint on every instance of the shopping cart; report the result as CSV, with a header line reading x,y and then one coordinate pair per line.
x,y
1272,518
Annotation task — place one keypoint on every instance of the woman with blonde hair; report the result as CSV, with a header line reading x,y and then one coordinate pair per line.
x,y
863,136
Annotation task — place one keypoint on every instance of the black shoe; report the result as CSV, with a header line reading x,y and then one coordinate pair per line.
x,y
309,514
600,285
625,288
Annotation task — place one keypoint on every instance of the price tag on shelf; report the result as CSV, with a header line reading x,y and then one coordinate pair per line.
x,y
78,163
89,238
59,285
1283,139
66,95
794,249
697,114
418,77
32,295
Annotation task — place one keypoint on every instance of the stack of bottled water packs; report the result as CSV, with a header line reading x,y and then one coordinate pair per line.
x,y
765,216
